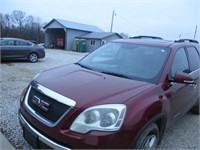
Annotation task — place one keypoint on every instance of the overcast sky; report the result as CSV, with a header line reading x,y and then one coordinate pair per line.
x,y
166,18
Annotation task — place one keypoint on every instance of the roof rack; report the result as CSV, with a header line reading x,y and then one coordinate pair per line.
x,y
146,37
187,40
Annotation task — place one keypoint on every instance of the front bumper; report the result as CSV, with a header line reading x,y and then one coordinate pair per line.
x,y
36,139
71,140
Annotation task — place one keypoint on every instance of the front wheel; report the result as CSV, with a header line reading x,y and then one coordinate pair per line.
x,y
33,57
148,139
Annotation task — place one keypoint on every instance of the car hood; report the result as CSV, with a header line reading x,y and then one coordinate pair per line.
x,y
88,87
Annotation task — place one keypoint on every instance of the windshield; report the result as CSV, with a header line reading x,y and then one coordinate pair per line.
x,y
137,62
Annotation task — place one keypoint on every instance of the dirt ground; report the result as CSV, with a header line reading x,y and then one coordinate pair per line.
x,y
15,76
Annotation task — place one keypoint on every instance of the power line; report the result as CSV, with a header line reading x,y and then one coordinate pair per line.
x,y
136,25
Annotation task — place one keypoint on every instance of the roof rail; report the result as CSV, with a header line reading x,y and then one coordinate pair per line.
x,y
145,37
187,40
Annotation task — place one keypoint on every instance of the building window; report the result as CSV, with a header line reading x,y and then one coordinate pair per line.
x,y
103,42
92,42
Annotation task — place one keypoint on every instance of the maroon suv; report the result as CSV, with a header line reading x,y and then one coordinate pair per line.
x,y
123,95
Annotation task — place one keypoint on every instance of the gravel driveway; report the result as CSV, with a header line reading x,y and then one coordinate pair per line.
x,y
15,76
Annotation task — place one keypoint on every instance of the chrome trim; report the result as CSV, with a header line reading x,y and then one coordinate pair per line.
x,y
58,97
189,82
195,71
42,137
53,95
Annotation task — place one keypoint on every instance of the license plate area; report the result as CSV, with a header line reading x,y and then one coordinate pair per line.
x,y
31,137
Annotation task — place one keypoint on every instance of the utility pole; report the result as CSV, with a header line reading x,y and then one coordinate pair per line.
x,y
179,36
195,32
113,14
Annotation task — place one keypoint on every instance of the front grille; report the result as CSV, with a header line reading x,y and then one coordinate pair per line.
x,y
54,110
47,105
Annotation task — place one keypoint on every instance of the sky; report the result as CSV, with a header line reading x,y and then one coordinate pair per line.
x,y
170,19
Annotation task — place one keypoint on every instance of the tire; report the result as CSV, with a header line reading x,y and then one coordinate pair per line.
x,y
148,138
33,57
195,109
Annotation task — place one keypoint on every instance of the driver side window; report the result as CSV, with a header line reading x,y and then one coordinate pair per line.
x,y
180,63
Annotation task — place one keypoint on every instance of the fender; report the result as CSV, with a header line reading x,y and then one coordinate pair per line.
x,y
160,120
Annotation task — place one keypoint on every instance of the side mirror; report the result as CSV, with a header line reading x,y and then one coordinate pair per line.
x,y
181,77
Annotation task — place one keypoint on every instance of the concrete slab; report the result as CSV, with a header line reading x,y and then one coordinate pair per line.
x,y
4,143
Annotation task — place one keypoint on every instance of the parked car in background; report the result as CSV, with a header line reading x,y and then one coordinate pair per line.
x,y
41,44
123,95
15,48
33,41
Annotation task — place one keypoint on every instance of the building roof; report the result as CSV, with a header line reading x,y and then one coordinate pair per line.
x,y
98,35
75,25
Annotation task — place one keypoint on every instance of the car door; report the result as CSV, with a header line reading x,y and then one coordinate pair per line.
x,y
181,95
7,48
23,48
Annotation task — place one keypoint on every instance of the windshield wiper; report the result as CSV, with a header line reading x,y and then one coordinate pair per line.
x,y
116,74
83,66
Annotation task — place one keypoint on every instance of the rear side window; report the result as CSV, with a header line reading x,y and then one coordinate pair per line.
x,y
7,43
180,63
22,43
193,58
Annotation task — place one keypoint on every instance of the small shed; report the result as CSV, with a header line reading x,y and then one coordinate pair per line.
x,y
61,33
95,40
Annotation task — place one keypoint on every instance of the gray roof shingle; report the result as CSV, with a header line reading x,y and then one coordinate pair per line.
x,y
77,26
97,35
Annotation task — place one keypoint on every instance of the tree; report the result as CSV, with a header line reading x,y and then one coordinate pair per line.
x,y
18,17
17,24
1,23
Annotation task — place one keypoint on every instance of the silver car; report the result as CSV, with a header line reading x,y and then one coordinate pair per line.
x,y
15,48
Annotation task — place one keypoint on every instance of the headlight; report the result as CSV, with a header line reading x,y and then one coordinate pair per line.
x,y
107,117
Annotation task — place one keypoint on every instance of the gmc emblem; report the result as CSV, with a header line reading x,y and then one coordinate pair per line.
x,y
41,103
